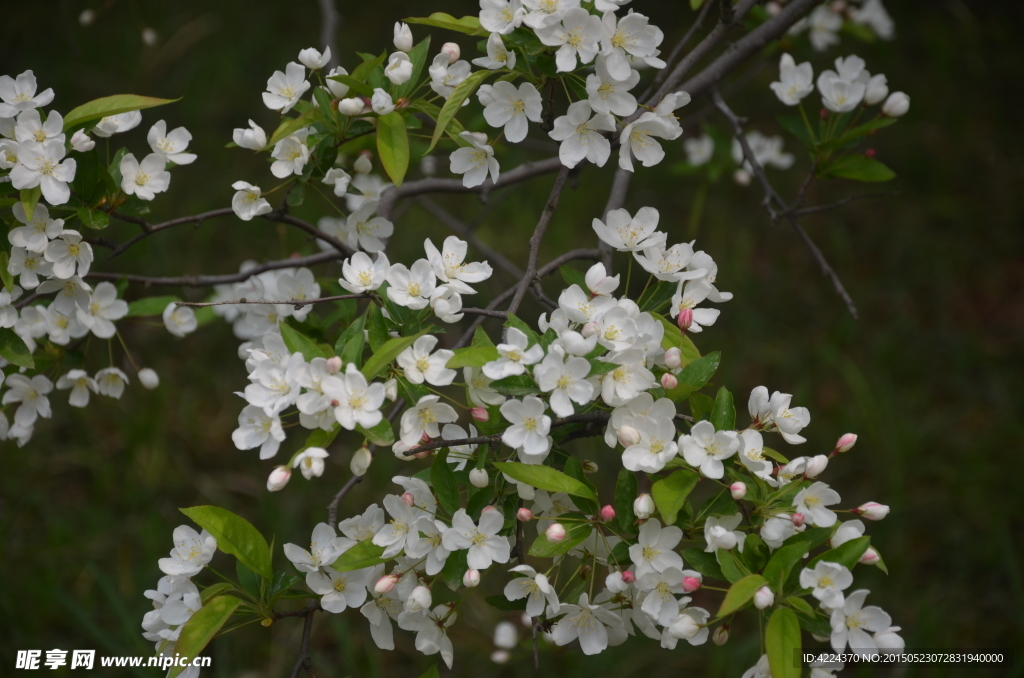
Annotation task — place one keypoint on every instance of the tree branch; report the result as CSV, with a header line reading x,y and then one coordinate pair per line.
x,y
304,662
289,302
463,231
211,280
578,418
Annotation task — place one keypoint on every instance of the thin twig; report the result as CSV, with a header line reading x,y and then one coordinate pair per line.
x,y
463,231
616,199
304,661
839,203
663,73
297,303
225,279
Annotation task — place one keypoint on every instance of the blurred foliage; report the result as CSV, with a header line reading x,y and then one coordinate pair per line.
x,y
930,377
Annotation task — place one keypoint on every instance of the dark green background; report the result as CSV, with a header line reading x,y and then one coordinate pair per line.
x,y
930,378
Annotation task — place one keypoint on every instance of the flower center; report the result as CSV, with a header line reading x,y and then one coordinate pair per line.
x,y
413,289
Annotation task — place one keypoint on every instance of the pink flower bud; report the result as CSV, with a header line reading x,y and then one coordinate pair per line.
x,y
721,635
798,519
555,533
487,509
408,498
333,365
471,579
424,438
870,153
524,514
872,510
607,513
845,443
674,358
738,490
764,598
452,50
479,413
589,466
643,506
590,329
385,583
279,477
628,577
691,584
870,557
823,113
628,435
816,466
685,318
669,381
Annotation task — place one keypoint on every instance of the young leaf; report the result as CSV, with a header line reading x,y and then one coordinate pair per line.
x,y
546,478
418,56
350,344
93,219
235,535
701,406
739,593
454,103
393,146
470,25
214,590
519,385
5,274
150,306
454,569
472,356
383,434
14,350
846,555
858,168
626,490
674,338
782,641
700,371
362,72
383,356
732,568
292,125
363,554
670,493
781,564
201,627
723,416
29,198
442,478
522,326
576,534
480,338
111,105
573,276
377,327
297,342
703,562
353,84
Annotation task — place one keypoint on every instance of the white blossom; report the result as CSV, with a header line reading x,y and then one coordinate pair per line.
x,y
419,364
171,146
705,448
144,179
498,56
474,162
589,623
179,320
191,552
512,107
44,165
530,426
411,287
254,138
484,544
285,89
258,429
19,94
581,136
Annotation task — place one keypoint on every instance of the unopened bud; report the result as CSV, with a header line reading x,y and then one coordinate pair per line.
x,y
607,513
628,435
823,113
478,478
738,490
590,329
798,520
480,136
87,17
589,466
524,514
488,509
419,600
279,477
385,583
870,557
816,466
429,165
691,584
628,577
351,106
845,443
872,510
585,572
555,533
81,142
772,8
669,381
479,413
643,506
685,318
408,498
869,153
674,358
333,365
424,438
896,105
471,579
500,656
391,390
764,598
360,461
452,50
684,627
403,37
721,635
363,165
148,378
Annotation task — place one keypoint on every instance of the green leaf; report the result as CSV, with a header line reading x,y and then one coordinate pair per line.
x,y
94,219
794,124
454,569
573,276
626,490
14,350
418,56
574,469
782,642
772,454
393,146
214,590
524,327
470,25
519,385
505,605
576,533
740,593
657,296
114,170
5,275
382,435
432,672
201,627
362,72
29,199
292,125
454,103
353,84
781,564
701,406
732,568
321,438
150,306
248,580
472,356
846,555
755,553
695,375
111,105
297,342
442,478
723,416
480,338
696,4
703,562
858,168
598,367
235,535
383,356
377,329
858,132
546,478
363,554
670,493
349,346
